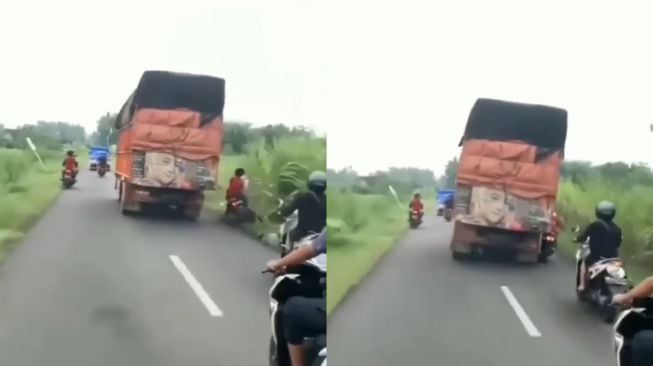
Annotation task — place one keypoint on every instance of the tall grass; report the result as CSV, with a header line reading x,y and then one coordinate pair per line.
x,y
26,190
273,172
361,229
634,214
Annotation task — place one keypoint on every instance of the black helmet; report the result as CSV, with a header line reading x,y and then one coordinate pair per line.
x,y
239,172
70,153
317,181
605,210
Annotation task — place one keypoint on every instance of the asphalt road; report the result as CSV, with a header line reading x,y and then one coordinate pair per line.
x,y
89,286
419,307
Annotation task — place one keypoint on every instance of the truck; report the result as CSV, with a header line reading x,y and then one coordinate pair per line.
x,y
170,142
95,153
507,179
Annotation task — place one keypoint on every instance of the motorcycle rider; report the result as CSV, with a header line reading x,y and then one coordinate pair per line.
x,y
70,163
416,205
102,161
642,342
605,238
448,203
311,206
236,189
303,317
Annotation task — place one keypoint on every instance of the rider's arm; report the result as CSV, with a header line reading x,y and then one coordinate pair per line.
x,y
585,233
298,256
619,237
287,210
642,290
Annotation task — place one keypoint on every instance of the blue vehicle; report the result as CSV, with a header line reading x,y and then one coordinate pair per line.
x,y
443,195
96,153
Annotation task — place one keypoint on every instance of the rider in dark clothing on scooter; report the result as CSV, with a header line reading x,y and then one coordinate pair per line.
x,y
311,207
303,317
605,237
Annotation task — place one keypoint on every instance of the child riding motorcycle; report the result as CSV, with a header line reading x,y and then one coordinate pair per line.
x,y
416,205
605,238
236,189
311,207
70,163
303,317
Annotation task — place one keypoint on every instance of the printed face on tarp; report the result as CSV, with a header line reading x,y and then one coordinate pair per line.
x,y
495,208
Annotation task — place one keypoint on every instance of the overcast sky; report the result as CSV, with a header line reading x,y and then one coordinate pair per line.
x,y
391,82
75,60
407,74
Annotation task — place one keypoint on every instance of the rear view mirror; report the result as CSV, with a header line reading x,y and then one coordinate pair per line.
x,y
575,229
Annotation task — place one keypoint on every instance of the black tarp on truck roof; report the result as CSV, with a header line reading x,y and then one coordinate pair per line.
x,y
498,120
171,90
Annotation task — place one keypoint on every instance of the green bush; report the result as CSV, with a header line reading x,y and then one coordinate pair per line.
x,y
26,190
361,229
634,213
274,172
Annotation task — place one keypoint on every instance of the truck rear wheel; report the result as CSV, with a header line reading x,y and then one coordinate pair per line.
x,y
458,256
193,208
126,205
543,258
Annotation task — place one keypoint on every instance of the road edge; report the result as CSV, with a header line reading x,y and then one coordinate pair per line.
x,y
374,267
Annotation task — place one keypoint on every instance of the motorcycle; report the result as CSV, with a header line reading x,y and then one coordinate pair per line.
x,y
101,170
548,247
448,214
604,279
237,213
68,179
306,280
630,322
415,219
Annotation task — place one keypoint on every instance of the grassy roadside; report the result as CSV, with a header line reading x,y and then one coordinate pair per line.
x,y
362,228
634,216
27,190
273,172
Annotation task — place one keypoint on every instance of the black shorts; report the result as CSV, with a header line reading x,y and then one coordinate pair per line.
x,y
304,318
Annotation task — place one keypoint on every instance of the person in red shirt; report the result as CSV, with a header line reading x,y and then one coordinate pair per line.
x,y
236,189
70,163
417,205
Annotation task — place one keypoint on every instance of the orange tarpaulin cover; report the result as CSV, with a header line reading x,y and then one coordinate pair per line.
x,y
509,166
179,132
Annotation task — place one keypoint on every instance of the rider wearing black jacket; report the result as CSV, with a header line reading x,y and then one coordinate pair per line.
x,y
605,236
311,207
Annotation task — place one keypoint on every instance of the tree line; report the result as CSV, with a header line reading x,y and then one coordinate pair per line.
x,y
237,135
580,173
404,180
47,135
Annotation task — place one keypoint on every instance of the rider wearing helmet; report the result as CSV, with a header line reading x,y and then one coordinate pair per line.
x,y
311,207
605,237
